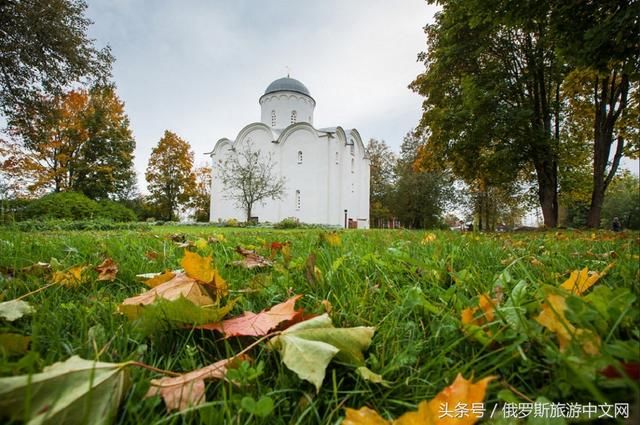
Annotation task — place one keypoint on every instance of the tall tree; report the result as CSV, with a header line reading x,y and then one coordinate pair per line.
x,y
249,178
43,48
382,164
202,195
602,39
170,177
491,94
81,141
420,196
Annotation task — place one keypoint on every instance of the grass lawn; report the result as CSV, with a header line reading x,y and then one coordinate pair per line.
x,y
412,286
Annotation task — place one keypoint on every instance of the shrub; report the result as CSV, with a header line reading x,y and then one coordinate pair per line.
x,y
115,211
288,223
65,205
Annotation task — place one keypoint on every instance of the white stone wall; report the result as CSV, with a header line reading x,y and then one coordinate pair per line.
x,y
282,105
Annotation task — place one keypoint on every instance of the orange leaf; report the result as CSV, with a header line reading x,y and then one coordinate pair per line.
x,y
70,277
200,269
107,270
252,324
487,305
553,318
187,390
438,411
160,279
581,280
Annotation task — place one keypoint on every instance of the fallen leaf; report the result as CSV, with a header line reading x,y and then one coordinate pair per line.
x,y
70,278
486,305
441,410
581,280
308,347
13,344
76,391
14,309
152,255
201,243
552,317
200,268
107,270
187,390
326,304
331,238
159,279
311,271
252,324
251,260
180,286
428,238
37,268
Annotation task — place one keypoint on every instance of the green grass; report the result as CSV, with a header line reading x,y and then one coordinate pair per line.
x,y
412,292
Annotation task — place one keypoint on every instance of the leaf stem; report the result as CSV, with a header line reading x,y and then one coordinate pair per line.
x,y
151,368
42,288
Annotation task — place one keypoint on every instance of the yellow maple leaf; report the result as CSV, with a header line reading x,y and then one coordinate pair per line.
x,y
438,411
428,238
200,269
581,280
159,279
553,318
487,305
70,277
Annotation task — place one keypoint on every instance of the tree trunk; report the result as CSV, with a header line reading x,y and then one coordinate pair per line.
x,y
610,98
249,213
547,175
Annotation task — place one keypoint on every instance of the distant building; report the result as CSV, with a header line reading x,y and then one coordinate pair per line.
x,y
326,169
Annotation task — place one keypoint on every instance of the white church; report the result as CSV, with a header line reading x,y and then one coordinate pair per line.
x,y
326,170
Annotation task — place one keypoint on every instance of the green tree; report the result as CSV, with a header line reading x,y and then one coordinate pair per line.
x,y
170,177
420,197
622,201
44,48
382,165
491,89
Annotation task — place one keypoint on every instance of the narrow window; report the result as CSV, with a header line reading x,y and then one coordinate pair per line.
x,y
352,148
299,157
273,118
298,200
353,165
337,158
294,117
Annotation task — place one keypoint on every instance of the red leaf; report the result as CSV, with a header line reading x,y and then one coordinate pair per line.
x,y
252,324
631,369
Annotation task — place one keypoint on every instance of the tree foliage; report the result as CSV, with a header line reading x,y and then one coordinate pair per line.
x,y
382,167
44,48
80,141
249,178
170,177
202,195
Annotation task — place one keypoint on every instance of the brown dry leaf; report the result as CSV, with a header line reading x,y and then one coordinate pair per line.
x,y
12,344
160,279
581,280
180,286
327,306
70,277
311,271
201,269
184,391
252,324
251,260
38,268
107,270
553,318
461,392
152,255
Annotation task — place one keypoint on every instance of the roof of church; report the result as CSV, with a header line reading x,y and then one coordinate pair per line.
x,y
287,84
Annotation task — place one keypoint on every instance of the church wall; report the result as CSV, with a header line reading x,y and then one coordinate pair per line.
x,y
283,103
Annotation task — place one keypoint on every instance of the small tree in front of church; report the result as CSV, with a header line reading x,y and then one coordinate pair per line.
x,y
248,177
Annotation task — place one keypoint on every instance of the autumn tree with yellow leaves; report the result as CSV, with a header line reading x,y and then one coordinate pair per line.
x,y
170,177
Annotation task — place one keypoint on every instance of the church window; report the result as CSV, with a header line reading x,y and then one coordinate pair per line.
x,y
298,200
294,117
352,148
337,158
299,157
273,118
353,165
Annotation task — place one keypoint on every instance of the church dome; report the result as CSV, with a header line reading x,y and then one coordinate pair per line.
x,y
287,84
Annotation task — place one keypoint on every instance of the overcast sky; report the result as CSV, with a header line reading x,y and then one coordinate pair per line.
x,y
198,67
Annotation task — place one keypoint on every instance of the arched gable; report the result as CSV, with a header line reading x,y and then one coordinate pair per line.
x,y
355,135
219,145
301,126
249,128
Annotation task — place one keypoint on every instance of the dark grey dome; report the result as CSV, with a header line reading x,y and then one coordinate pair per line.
x,y
287,84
